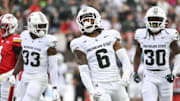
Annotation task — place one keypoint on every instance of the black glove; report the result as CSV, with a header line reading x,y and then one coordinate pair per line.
x,y
170,77
137,78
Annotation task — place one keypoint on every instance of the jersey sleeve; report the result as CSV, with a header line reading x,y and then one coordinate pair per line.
x,y
52,42
23,35
16,41
75,45
137,36
174,35
116,35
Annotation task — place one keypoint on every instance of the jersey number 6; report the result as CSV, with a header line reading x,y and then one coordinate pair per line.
x,y
103,60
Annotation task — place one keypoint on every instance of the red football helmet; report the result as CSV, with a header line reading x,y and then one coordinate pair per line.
x,y
8,24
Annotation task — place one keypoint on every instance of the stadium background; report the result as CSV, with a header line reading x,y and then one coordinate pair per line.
x,y
122,15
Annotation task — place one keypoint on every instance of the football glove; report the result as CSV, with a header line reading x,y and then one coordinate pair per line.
x,y
136,77
12,80
170,77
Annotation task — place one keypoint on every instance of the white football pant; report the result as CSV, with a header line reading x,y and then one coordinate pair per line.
x,y
7,91
31,87
111,91
155,85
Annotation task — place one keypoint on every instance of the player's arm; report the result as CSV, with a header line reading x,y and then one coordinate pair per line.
x,y
137,61
84,70
17,50
18,67
137,57
176,51
123,57
19,64
53,65
52,59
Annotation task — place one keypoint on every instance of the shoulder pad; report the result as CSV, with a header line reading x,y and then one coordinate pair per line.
x,y
116,34
76,45
173,34
113,33
23,34
140,33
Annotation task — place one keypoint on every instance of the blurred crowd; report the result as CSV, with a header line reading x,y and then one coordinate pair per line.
x,y
123,15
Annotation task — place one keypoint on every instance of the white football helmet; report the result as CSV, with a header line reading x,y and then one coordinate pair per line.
x,y
38,24
155,19
8,24
88,20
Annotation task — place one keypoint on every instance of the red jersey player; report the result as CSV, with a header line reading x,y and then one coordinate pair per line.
x,y
9,49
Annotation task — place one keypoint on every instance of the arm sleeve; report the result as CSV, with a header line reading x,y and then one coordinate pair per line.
x,y
85,77
53,69
123,57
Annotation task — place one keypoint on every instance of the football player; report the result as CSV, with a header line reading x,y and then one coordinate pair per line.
x,y
95,52
9,50
38,56
155,42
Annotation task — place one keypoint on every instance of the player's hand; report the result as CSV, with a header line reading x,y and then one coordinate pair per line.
x,y
96,95
125,79
56,96
125,82
12,80
170,77
136,77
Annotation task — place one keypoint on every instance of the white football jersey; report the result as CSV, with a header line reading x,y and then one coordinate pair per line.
x,y
34,52
100,54
156,49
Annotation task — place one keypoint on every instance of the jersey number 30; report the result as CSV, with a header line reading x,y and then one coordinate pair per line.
x,y
103,60
160,57
35,55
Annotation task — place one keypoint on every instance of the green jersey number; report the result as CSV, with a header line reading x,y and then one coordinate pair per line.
x,y
103,60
